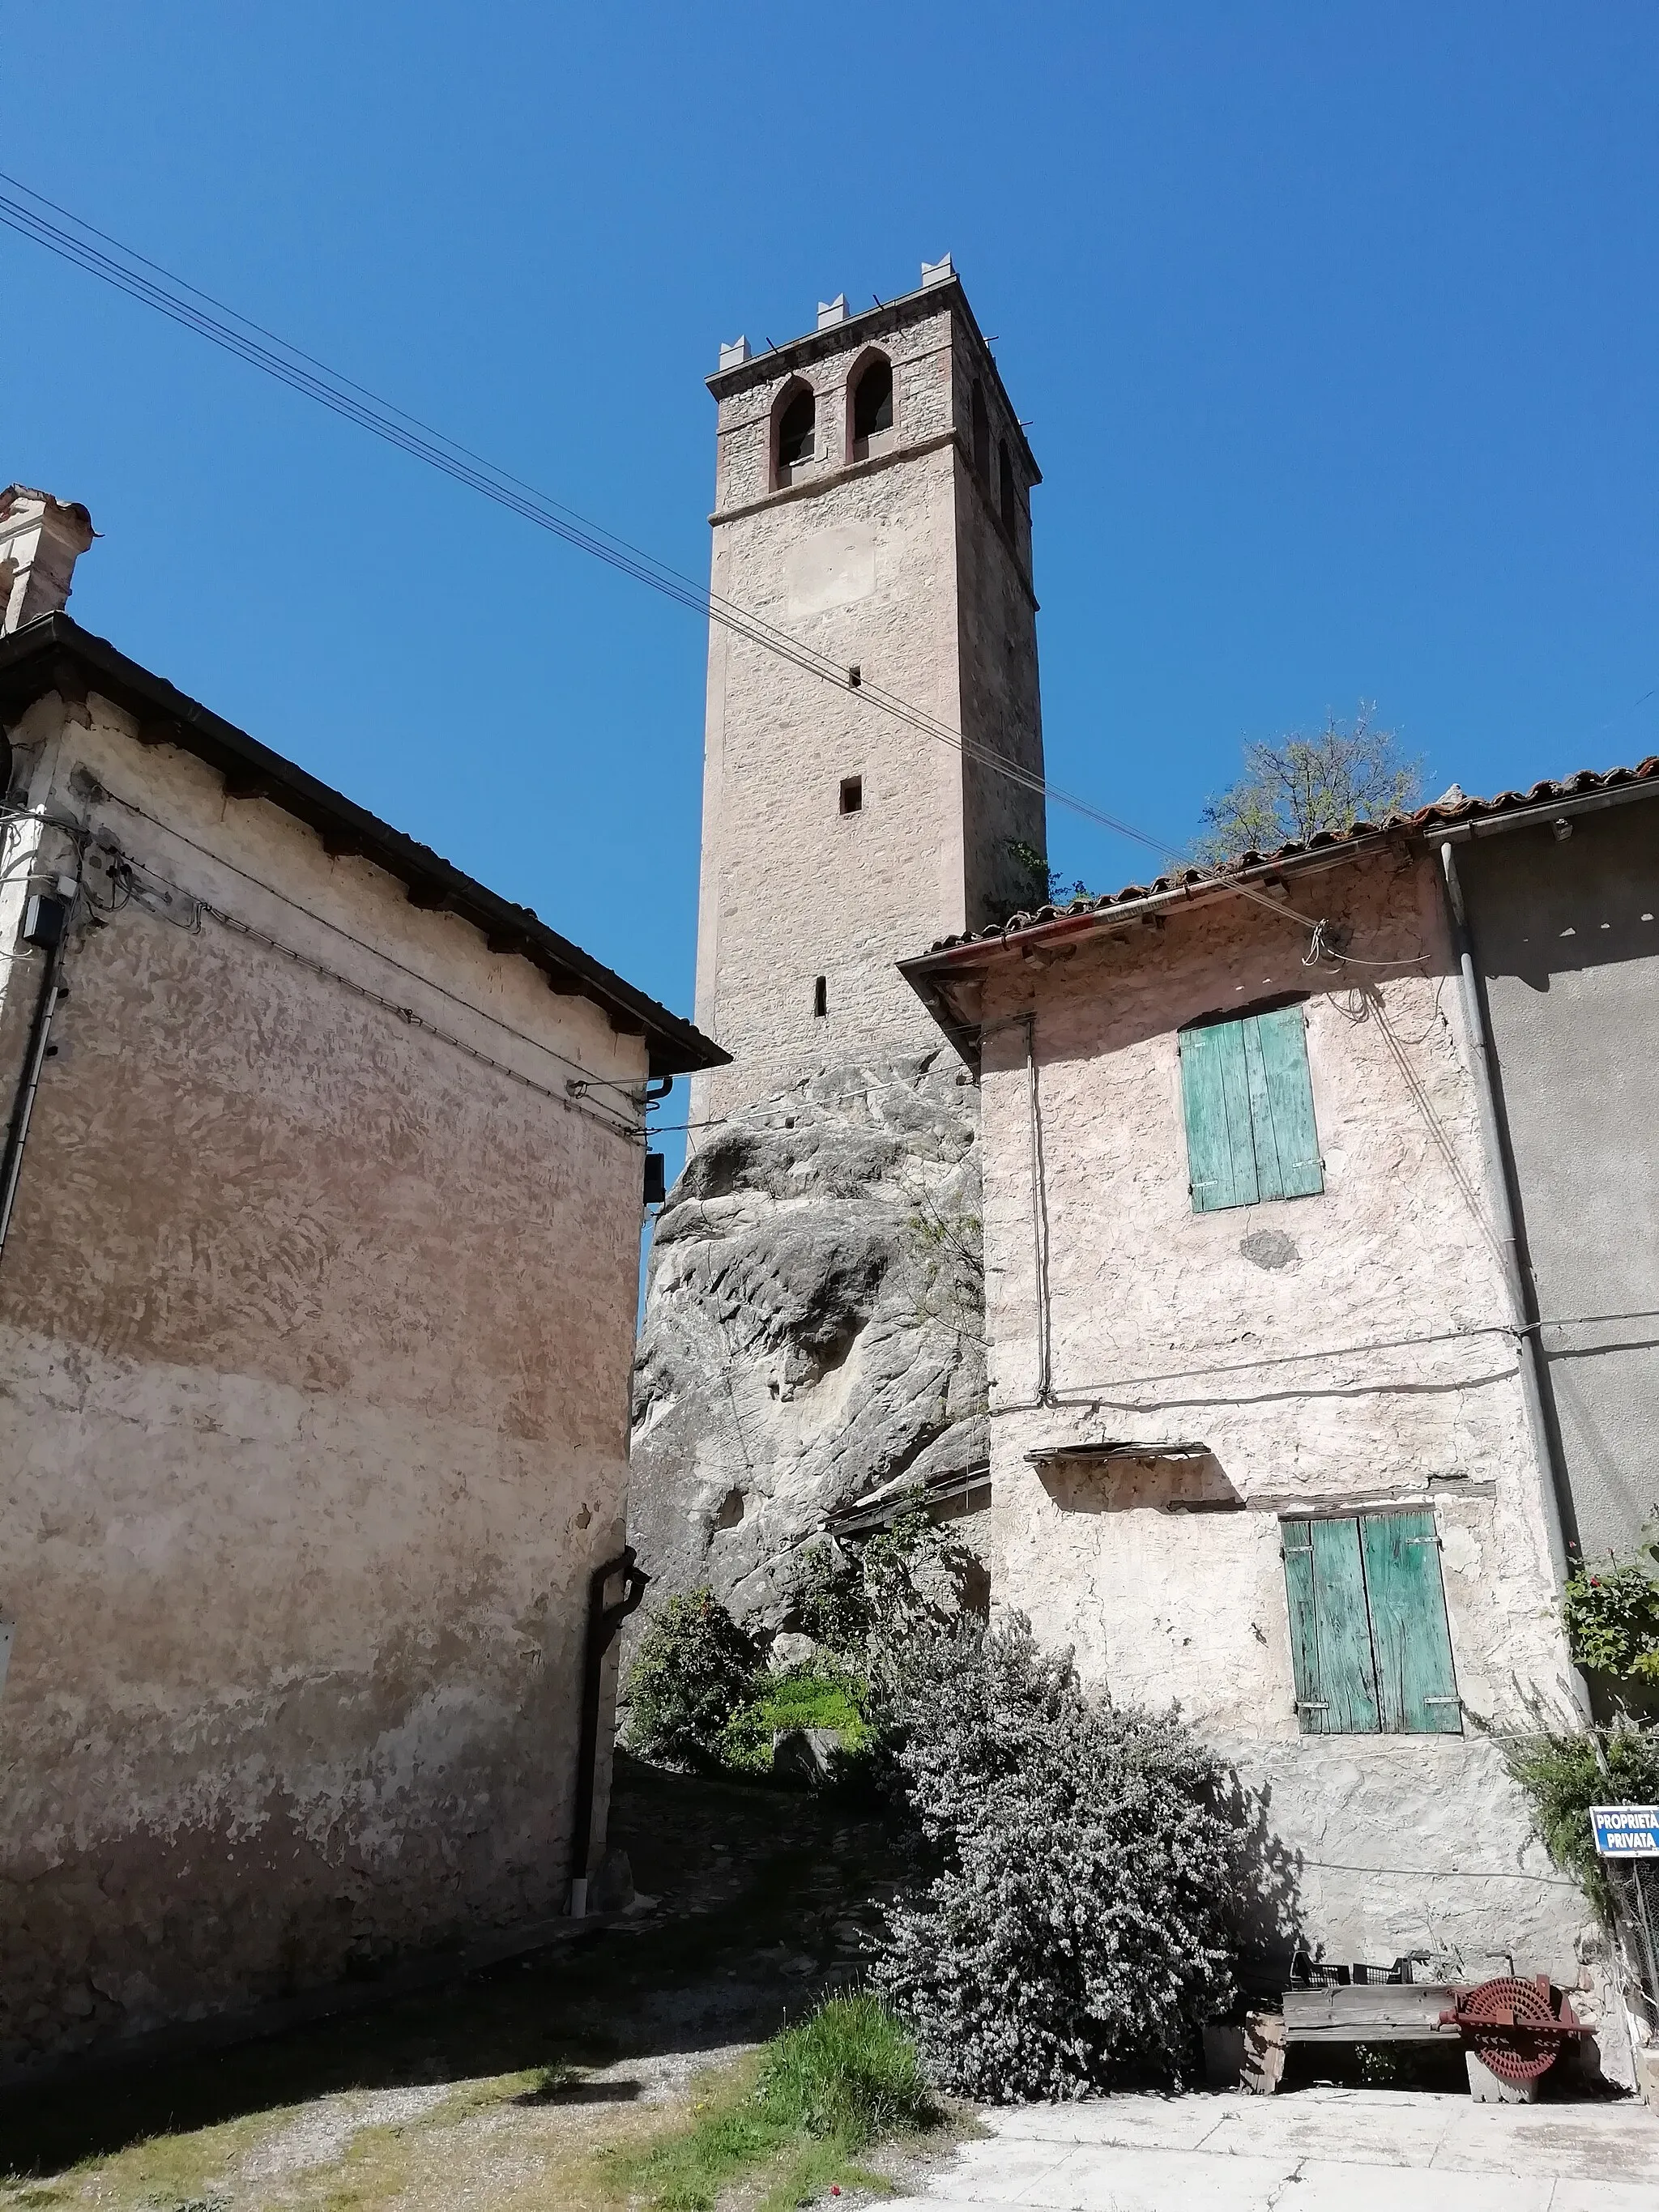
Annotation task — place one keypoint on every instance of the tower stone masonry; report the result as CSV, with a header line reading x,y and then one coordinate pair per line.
x,y
813,1332
837,839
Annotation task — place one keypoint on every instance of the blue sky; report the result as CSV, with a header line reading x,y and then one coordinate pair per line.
x,y
1337,328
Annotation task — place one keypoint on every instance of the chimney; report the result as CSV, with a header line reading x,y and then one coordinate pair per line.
x,y
40,542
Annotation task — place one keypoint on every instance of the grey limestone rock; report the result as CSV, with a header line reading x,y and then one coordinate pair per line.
x,y
813,1324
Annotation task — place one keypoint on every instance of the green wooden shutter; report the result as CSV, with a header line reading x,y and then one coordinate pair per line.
x,y
1416,1690
1281,1105
1248,1106
1215,1094
1330,1628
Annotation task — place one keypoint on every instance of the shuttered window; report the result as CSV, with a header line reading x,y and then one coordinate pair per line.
x,y
1249,1105
1368,1639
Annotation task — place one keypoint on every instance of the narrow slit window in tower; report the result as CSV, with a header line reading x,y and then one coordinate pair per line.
x,y
1008,498
796,426
851,795
982,429
820,998
873,405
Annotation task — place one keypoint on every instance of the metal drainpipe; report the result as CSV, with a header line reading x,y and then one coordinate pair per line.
x,y
1506,1200
45,1006
603,1622
1039,1219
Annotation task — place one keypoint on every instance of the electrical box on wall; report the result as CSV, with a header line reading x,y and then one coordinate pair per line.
x,y
655,1185
43,918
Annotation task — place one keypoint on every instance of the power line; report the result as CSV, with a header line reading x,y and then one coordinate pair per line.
x,y
628,1092
206,317
226,327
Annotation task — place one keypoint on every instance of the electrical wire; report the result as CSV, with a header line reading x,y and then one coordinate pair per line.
x,y
1082,1392
1444,1873
416,1021
303,372
628,1094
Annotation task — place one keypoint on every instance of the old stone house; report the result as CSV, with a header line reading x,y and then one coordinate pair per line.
x,y
1270,1428
320,1211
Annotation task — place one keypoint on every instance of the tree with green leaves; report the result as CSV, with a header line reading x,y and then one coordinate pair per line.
x,y
1289,791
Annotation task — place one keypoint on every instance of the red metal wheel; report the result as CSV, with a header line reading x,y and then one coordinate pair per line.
x,y
1513,2027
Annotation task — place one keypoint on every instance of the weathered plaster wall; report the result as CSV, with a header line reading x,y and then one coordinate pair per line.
x,y
314,1343
1257,1320
1567,935
896,564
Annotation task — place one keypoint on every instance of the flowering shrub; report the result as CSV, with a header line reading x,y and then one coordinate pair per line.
x,y
1612,1616
1077,1930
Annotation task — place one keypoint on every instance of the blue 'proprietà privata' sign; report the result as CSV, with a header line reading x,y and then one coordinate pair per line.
x,y
1627,1832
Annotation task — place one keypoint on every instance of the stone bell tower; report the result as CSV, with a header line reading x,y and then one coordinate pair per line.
x,y
805,1347
871,502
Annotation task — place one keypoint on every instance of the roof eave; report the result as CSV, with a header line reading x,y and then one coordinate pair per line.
x,y
45,654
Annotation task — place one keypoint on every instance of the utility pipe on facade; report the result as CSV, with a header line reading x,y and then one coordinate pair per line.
x,y
1039,1219
603,1622
45,1006
1506,1208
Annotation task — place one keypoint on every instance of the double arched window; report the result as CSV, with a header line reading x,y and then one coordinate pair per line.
x,y
796,434
873,402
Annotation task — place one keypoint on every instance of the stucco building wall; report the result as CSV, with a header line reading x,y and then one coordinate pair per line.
x,y
1263,1332
315,1346
1566,938
896,564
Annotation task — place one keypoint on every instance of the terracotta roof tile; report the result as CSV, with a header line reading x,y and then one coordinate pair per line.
x,y
1445,809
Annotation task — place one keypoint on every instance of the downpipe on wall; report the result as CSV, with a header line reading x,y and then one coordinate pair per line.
x,y
1045,1394
52,991
603,1622
1506,1207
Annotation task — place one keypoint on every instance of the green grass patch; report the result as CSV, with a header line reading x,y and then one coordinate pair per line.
x,y
797,2118
815,1694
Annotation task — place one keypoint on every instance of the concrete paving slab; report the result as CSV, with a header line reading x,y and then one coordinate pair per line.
x,y
1003,2172
1116,2177
1171,2122
1579,2195
1330,2185
1611,2142
1319,2150
1360,2134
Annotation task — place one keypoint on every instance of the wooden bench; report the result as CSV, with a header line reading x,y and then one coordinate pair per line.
x,y
1356,2012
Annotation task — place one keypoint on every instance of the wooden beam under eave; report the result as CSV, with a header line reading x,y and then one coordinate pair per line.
x,y
244,784
430,897
159,734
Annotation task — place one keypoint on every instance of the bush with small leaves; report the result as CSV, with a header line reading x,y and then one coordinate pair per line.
x,y
694,1668
1611,1618
1077,1933
1566,1772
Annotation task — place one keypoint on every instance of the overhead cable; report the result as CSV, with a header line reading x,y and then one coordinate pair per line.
x,y
154,286
198,312
628,1092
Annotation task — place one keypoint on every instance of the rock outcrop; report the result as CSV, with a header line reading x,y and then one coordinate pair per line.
x,y
813,1324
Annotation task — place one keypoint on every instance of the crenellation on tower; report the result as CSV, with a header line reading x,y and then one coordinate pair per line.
x,y
873,489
